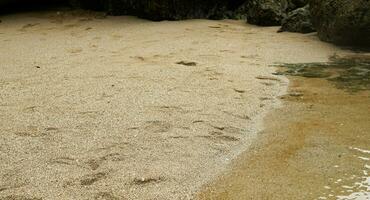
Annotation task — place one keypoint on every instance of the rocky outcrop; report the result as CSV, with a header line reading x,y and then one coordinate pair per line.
x,y
299,21
345,22
165,9
266,12
260,12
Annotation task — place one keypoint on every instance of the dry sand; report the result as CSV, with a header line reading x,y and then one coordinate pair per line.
x,y
98,108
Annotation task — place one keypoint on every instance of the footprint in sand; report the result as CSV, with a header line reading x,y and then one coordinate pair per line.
x,y
158,126
106,196
63,161
30,109
29,25
219,137
11,186
169,109
30,131
211,74
227,51
267,83
265,98
253,56
229,129
116,37
95,163
75,50
92,178
71,25
237,115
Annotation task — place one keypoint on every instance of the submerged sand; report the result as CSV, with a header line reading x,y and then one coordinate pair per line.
x,y
316,146
95,107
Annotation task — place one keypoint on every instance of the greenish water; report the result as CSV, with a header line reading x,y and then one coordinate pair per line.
x,y
349,73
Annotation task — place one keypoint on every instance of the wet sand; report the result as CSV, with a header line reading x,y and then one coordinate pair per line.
x,y
95,107
316,146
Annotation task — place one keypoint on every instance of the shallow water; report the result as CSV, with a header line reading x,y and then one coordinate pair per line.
x,y
317,146
351,73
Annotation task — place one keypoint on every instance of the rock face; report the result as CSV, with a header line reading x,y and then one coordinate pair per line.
x,y
299,21
266,12
165,9
345,22
260,12
295,4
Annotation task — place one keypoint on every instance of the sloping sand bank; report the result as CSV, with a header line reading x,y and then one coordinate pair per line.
x,y
118,107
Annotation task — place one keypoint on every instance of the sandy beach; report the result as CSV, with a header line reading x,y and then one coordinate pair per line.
x,y
96,107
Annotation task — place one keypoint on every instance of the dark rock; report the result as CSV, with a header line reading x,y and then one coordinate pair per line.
x,y
299,21
11,6
4,2
295,4
165,9
266,12
345,22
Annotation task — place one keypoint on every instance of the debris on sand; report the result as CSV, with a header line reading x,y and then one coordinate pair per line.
x,y
186,63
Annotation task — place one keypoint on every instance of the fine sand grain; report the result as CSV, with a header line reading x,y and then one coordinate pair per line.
x,y
95,107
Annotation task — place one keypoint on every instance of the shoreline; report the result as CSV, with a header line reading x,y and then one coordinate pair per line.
x,y
258,127
301,154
